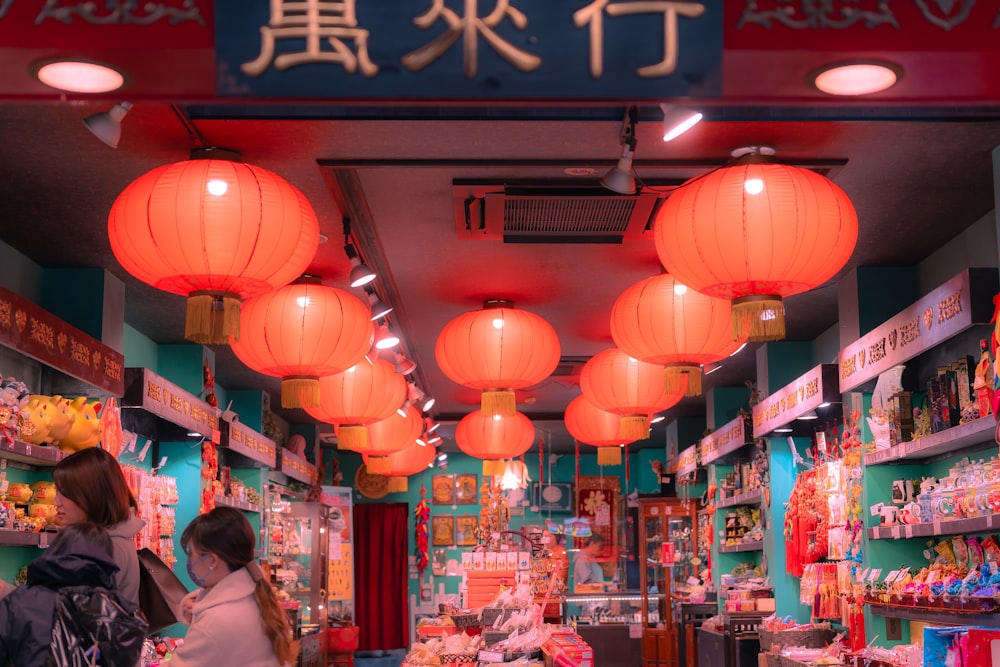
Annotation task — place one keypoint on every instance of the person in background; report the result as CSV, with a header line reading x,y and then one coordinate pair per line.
x,y
80,555
586,569
235,617
90,487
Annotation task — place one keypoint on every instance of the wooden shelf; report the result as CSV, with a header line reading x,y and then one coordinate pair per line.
x,y
937,616
33,455
745,498
979,524
743,546
952,441
23,538
238,504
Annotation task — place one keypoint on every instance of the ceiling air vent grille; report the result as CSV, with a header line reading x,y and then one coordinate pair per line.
x,y
565,215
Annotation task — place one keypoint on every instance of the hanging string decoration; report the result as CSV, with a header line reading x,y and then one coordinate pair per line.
x,y
421,533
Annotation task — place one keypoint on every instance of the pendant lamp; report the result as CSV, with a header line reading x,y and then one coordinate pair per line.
x,y
410,460
494,438
632,389
593,426
216,232
388,436
361,395
301,332
497,349
660,321
755,232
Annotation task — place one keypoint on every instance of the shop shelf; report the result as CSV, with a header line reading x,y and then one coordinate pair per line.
x,y
746,498
743,546
937,616
32,455
22,538
238,504
952,441
978,524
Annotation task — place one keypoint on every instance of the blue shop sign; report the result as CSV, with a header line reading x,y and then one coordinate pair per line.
x,y
469,49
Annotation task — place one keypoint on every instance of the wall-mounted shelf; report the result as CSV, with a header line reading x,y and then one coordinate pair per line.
x,y
751,497
978,524
39,456
757,545
952,441
23,538
937,616
238,504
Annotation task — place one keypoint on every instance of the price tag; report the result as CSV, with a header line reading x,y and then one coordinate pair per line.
x,y
145,450
908,530
27,449
634,631
43,539
931,577
891,577
864,574
875,574
216,436
895,532
936,526
163,462
990,518
876,509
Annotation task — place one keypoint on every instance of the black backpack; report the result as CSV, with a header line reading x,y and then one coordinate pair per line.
x,y
91,629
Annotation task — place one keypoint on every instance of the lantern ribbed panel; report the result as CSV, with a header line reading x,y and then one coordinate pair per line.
x,y
653,323
303,329
796,234
474,353
490,438
169,231
391,435
410,460
618,383
591,425
365,394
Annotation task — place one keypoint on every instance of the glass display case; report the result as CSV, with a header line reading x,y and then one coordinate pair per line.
x,y
297,553
340,553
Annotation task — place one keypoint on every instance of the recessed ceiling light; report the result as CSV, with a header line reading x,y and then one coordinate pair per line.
x,y
76,76
856,78
579,171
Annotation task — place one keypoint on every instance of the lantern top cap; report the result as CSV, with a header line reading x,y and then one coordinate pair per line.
x,y
752,155
497,303
216,153
308,279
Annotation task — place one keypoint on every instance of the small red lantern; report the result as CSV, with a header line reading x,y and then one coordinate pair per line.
x,y
390,435
300,333
754,232
498,349
361,395
630,388
589,424
660,321
216,232
408,461
494,438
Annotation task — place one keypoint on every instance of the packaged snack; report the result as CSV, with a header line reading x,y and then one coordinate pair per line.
x,y
946,551
991,550
961,552
975,553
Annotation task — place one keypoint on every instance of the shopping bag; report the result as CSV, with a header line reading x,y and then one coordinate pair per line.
x,y
160,591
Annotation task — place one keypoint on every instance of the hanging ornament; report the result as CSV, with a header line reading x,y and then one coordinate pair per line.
x,y
422,515
589,424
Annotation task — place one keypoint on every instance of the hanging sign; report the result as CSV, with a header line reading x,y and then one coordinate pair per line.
x,y
668,554
147,390
687,461
793,400
298,467
251,444
963,301
726,440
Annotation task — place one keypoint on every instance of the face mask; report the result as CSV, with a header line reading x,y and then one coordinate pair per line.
x,y
198,581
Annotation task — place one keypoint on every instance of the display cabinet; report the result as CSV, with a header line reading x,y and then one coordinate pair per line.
x,y
668,538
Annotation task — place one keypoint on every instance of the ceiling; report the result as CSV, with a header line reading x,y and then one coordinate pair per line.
x,y
916,183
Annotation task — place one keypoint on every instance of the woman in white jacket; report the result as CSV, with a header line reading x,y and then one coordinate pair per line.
x,y
235,619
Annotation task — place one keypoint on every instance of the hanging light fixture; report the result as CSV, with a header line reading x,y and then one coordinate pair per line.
x,y
660,321
388,436
360,273
378,308
515,476
301,332
215,231
632,389
677,120
620,178
591,425
497,349
385,337
754,232
494,438
107,125
404,365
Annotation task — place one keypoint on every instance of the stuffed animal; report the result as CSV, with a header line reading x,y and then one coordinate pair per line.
x,y
86,426
45,419
13,397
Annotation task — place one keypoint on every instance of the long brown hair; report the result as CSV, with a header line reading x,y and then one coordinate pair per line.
x,y
92,479
225,532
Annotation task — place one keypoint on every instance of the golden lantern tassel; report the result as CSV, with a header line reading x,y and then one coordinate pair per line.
x,y
609,456
498,402
760,318
353,437
633,427
379,465
398,484
683,379
300,392
492,468
212,317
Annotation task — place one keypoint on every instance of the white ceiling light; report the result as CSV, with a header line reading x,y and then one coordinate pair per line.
x,y
385,338
107,125
76,76
677,120
620,178
360,274
849,79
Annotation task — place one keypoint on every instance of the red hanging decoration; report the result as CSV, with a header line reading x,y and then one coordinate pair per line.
x,y
576,446
625,446
541,464
422,514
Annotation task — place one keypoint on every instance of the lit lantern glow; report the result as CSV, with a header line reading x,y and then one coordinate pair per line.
x,y
494,438
216,232
389,436
593,426
408,461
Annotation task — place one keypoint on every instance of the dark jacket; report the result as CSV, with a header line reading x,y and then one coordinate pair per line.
x,y
26,614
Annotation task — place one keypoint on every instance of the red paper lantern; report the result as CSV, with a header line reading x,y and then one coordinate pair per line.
x,y
494,438
300,333
361,395
498,349
755,232
632,389
589,424
390,435
408,461
660,321
216,232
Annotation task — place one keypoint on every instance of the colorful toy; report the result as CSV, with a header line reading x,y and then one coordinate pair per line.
x,y
13,397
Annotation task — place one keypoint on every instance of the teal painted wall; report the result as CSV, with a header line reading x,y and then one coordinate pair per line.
x,y
140,351
19,274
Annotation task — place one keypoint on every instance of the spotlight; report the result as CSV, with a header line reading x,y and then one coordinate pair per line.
x,y
442,456
433,440
421,442
107,125
808,416
708,369
431,424
404,365
385,339
418,396
657,419
78,76
677,120
360,274
620,178
783,429
378,307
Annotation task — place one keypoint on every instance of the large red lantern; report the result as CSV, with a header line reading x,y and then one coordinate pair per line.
x,y
408,461
301,332
216,232
498,349
494,438
755,232
388,436
661,321
361,395
630,388
589,424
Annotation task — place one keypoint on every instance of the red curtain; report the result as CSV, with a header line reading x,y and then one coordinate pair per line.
x,y
380,563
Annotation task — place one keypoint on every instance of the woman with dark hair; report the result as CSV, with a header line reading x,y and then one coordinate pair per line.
x,y
235,598
90,487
